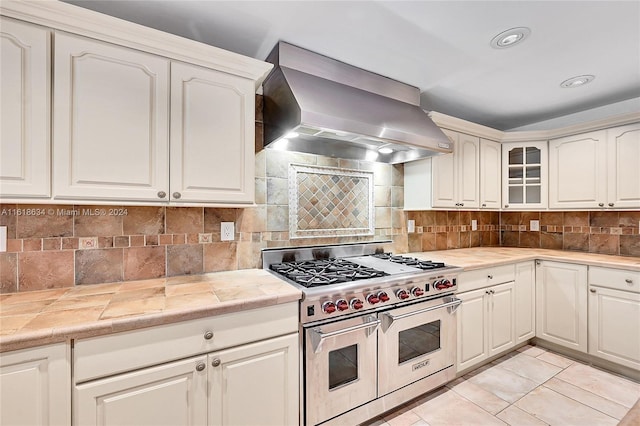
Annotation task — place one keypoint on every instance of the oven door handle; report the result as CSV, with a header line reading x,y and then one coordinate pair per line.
x,y
388,318
318,336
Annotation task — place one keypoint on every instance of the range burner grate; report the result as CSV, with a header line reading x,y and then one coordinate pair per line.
x,y
316,273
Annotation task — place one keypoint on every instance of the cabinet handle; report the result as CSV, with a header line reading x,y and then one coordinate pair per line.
x,y
490,277
162,194
592,290
506,206
601,204
484,205
628,281
201,366
208,335
177,195
215,362
538,263
610,204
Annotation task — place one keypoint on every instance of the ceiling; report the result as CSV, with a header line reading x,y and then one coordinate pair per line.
x,y
442,47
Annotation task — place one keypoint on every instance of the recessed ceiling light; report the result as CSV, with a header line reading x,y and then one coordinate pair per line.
x,y
578,81
510,37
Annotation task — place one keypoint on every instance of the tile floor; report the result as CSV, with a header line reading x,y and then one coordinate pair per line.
x,y
530,386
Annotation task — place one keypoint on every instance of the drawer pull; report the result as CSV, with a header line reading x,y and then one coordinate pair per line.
x,y
208,335
628,281
200,366
215,362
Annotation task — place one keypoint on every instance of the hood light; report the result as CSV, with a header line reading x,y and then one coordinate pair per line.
x,y
371,156
292,135
281,144
385,150
510,37
578,81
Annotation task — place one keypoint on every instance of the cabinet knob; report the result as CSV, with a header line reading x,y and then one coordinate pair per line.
x,y
201,366
208,335
610,204
177,195
506,206
601,204
592,290
628,281
162,194
215,362
490,277
484,205
457,204
461,204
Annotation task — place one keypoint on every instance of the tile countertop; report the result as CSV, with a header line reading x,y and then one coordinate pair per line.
x,y
41,317
485,257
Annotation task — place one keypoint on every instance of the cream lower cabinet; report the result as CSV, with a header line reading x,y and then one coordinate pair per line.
x,y
561,304
35,386
485,324
614,315
525,301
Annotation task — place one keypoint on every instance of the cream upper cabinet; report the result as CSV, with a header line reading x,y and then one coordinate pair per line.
x,y
212,135
24,110
456,176
524,175
110,121
578,171
623,159
490,174
561,304
35,386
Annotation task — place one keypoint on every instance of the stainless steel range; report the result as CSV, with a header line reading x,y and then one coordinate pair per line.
x,y
377,329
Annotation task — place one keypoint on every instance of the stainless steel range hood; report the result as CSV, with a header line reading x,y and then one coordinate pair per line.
x,y
342,111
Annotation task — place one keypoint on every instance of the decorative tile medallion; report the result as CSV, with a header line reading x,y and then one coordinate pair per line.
x,y
329,202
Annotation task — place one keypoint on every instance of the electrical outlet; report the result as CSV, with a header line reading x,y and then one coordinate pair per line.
x,y
534,225
227,231
474,225
411,225
3,238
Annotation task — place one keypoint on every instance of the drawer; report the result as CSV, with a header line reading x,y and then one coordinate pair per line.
x,y
106,355
618,279
472,280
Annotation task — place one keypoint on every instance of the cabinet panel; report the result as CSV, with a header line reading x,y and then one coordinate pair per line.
x,y
490,174
468,171
170,394
624,173
501,305
525,295
614,326
524,175
255,384
110,122
577,171
445,180
561,304
473,327
212,135
24,110
35,386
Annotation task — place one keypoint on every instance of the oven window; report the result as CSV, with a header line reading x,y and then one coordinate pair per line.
x,y
343,366
418,341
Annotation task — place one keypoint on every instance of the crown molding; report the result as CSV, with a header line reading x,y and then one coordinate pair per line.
x,y
74,19
464,126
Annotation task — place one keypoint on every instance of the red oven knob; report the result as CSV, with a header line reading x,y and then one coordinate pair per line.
x,y
328,307
402,294
417,291
384,297
342,305
442,284
373,299
356,304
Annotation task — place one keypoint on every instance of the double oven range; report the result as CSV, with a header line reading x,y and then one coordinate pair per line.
x,y
377,329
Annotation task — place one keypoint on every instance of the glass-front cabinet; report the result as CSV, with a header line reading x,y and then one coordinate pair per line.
x,y
524,177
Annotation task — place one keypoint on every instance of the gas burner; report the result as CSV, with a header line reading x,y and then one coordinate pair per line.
x,y
315,273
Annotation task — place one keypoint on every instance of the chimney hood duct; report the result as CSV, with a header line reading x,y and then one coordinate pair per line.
x,y
318,105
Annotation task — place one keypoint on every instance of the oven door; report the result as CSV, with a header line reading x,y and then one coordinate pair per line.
x,y
416,341
340,367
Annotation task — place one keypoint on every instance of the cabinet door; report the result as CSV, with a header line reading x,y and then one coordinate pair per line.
x,y
624,173
501,322
255,384
24,110
35,386
445,179
561,304
111,122
525,301
473,326
212,136
490,174
468,153
577,171
169,394
524,175
614,326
